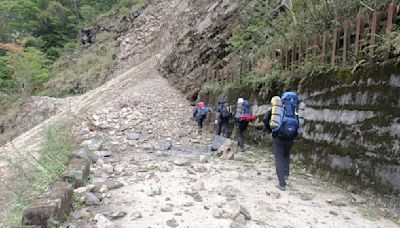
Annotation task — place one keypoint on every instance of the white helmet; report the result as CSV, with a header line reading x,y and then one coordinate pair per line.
x,y
240,101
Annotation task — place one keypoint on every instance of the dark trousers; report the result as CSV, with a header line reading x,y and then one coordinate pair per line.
x,y
200,122
223,123
281,149
241,126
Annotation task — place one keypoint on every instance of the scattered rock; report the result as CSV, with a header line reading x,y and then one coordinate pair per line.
x,y
199,168
103,189
236,225
336,203
240,219
166,209
226,215
82,190
178,214
108,168
306,196
92,144
137,215
188,204
103,154
78,214
198,185
157,190
91,199
172,223
226,150
333,213
358,199
245,213
203,159
119,169
132,136
85,154
183,162
118,215
160,153
216,213
77,172
167,146
102,221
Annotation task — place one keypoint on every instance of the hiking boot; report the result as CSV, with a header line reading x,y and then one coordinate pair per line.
x,y
242,149
281,188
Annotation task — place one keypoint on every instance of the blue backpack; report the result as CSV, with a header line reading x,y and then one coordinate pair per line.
x,y
289,120
246,108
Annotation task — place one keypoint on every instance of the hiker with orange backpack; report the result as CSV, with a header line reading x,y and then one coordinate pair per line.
x,y
200,114
243,116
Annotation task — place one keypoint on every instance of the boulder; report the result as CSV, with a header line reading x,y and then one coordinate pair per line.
x,y
85,154
53,205
217,143
226,150
77,172
183,162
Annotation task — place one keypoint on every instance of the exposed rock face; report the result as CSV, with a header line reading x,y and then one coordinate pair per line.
x,y
201,49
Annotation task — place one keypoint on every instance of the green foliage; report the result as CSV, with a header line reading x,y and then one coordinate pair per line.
x,y
35,172
88,13
23,72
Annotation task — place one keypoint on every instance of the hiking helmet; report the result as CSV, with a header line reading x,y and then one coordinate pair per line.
x,y
240,101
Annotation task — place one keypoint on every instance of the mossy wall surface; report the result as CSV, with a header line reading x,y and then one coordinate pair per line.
x,y
352,127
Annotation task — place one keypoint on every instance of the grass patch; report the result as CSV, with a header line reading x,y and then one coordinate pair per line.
x,y
33,172
369,215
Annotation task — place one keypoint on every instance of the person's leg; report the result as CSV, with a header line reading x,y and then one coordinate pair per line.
x,y
219,126
226,127
278,149
286,156
239,134
242,128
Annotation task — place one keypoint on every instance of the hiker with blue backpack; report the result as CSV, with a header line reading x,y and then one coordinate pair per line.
x,y
243,116
222,116
200,114
283,122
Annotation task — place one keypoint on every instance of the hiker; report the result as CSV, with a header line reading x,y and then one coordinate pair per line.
x,y
222,116
200,114
282,124
243,116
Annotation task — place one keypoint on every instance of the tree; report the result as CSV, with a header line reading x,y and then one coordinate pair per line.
x,y
27,70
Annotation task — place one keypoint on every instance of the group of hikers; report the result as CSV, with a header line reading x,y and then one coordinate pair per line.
x,y
282,123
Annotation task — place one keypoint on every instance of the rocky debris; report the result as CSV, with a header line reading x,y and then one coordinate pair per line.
x,y
194,194
236,225
159,153
111,185
167,146
226,150
241,212
358,199
333,213
82,190
199,168
77,172
79,214
183,162
108,168
172,223
216,212
132,136
91,199
85,154
229,192
103,154
118,215
166,209
53,205
336,203
137,215
103,189
204,159
102,221
217,143
92,144
198,185
188,204
306,196
153,191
